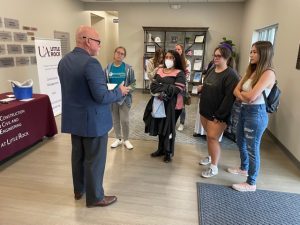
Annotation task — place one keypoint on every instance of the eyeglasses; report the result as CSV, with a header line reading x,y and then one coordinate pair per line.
x,y
120,53
217,56
98,41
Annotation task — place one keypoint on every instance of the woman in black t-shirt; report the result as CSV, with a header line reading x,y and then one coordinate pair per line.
x,y
216,101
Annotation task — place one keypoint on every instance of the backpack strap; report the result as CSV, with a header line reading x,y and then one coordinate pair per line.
x,y
264,92
265,96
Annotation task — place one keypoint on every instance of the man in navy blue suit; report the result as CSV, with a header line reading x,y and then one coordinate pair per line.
x,y
86,115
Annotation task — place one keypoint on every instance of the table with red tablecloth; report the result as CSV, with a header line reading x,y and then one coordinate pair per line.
x,y
24,123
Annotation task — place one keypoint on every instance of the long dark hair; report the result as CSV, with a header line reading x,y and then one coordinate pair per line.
x,y
157,60
177,60
183,59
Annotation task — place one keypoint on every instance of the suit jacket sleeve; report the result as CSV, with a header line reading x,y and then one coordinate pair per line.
x,y
98,84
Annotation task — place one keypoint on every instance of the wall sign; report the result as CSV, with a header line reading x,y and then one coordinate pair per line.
x,y
11,23
5,36
18,36
29,49
14,49
16,46
26,28
48,55
7,62
2,49
22,61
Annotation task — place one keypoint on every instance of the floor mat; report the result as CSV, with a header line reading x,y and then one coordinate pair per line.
x,y
220,204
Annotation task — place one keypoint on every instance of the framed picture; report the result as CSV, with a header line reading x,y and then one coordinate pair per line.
x,y
197,77
197,64
199,39
150,48
198,52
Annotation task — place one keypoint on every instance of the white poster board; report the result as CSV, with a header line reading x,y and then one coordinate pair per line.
x,y
48,55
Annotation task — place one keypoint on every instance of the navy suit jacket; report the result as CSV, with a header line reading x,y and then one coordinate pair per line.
x,y
86,101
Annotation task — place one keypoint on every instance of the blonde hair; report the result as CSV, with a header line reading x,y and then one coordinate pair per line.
x,y
265,51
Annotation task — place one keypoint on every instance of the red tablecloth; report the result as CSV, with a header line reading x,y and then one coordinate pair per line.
x,y
24,123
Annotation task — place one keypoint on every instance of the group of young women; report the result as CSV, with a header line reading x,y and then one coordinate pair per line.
x,y
221,86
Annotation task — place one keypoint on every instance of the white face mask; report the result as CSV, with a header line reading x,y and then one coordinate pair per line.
x,y
169,63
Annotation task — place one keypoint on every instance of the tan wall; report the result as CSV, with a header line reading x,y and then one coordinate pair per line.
x,y
47,16
109,35
258,14
222,20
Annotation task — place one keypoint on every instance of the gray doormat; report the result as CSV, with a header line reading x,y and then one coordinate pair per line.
x,y
137,127
220,205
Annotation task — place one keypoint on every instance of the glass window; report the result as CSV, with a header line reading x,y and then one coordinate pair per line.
x,y
265,34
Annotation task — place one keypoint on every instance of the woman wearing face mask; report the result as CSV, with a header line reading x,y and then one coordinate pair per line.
x,y
187,65
168,82
216,101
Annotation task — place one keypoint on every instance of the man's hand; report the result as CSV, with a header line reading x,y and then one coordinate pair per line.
x,y
123,89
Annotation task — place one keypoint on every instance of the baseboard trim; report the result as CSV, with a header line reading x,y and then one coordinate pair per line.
x,y
294,160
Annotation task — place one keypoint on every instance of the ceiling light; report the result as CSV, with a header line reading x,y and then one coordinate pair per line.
x,y
175,6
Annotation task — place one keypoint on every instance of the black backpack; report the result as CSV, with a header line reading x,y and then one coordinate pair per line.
x,y
272,101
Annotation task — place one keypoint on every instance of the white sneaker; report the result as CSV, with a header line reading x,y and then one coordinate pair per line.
x,y
205,161
116,143
128,145
238,171
243,187
180,128
209,173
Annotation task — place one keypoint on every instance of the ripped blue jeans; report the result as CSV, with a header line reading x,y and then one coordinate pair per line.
x,y
253,121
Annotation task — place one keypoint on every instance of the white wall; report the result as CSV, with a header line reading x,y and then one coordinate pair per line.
x,y
223,20
109,35
46,16
284,124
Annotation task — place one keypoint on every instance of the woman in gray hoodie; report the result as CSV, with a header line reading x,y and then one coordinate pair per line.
x,y
118,72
